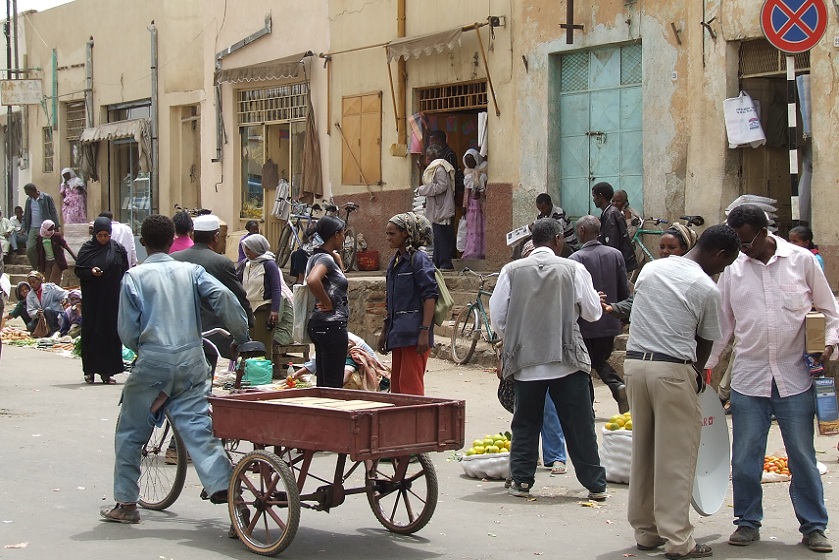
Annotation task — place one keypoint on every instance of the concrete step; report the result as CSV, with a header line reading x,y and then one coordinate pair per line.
x,y
620,341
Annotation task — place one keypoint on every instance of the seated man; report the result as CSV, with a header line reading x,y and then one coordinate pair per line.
x,y
546,209
159,319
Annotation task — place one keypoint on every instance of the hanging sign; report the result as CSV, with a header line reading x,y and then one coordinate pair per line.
x,y
21,92
793,26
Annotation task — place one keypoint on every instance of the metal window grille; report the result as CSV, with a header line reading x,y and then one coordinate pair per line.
x,y
574,72
76,120
630,65
48,149
453,97
273,104
758,58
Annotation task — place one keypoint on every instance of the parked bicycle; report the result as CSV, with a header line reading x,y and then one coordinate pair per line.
x,y
472,324
163,459
193,212
638,241
293,235
350,238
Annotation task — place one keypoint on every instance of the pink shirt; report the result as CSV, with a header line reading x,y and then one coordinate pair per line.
x,y
764,306
181,243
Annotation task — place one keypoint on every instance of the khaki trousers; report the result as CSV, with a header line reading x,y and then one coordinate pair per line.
x,y
666,425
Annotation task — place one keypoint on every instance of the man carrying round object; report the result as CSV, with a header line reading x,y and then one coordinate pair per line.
x,y
674,323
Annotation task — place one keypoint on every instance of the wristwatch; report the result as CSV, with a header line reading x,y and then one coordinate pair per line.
x,y
424,328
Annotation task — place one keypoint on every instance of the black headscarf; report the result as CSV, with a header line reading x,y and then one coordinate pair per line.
x,y
94,254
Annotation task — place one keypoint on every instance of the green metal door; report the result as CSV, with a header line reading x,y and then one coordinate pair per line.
x,y
599,128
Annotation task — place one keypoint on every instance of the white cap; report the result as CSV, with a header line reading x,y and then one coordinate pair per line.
x,y
207,222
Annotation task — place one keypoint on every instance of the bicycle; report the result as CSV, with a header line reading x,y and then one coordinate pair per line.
x,y
472,323
193,212
646,255
294,231
163,459
350,239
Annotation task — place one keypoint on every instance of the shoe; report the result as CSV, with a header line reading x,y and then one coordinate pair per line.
x,y
219,497
699,551
817,542
120,514
508,483
623,402
744,536
519,490
559,468
598,496
658,544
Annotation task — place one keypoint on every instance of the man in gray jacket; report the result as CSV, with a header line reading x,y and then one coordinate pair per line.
x,y
39,207
534,309
438,189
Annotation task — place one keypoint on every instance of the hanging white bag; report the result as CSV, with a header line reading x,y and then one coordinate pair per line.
x,y
742,122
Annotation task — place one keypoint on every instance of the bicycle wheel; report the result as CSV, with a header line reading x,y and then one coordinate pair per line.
x,y
349,249
284,248
465,334
162,468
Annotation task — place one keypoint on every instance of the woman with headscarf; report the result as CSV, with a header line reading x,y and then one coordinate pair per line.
x,y
474,193
268,295
45,298
328,322
50,246
100,266
408,330
71,319
676,240
73,197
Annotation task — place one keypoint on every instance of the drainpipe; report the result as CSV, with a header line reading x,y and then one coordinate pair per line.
x,y
88,87
401,118
155,147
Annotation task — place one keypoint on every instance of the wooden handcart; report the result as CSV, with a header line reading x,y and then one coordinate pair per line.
x,y
385,436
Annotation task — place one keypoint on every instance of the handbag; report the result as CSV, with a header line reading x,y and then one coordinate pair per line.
x,y
304,303
445,301
506,394
41,329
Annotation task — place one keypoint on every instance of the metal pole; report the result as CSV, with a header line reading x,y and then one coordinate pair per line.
x,y
792,118
8,136
155,148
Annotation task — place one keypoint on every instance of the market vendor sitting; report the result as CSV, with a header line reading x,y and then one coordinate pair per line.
x,y
363,370
45,299
71,320
22,290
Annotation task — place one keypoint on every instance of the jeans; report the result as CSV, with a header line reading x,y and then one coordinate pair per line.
x,y
443,243
31,248
553,440
17,240
599,349
751,419
187,386
571,399
330,340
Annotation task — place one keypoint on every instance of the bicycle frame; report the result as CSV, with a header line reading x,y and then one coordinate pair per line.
x,y
490,336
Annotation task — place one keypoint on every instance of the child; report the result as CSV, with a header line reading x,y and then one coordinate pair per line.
x,y
474,183
803,237
71,319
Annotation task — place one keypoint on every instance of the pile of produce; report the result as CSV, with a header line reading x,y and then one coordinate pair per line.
x,y
499,443
12,334
619,422
488,457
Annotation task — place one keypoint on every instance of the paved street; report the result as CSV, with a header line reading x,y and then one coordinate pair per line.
x,y
57,473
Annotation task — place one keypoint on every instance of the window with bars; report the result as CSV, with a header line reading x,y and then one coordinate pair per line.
x,y
584,70
461,96
76,119
758,58
48,149
273,104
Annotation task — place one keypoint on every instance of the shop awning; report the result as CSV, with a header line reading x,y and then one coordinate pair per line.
x,y
288,67
115,131
415,47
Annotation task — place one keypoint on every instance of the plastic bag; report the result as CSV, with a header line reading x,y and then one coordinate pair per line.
x,y
616,455
41,329
742,122
304,303
460,242
258,371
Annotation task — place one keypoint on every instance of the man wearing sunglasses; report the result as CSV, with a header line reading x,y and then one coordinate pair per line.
x,y
766,294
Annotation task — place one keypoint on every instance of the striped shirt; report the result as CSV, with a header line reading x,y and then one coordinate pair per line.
x,y
764,306
675,301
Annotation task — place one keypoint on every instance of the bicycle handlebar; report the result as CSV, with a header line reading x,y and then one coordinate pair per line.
x,y
478,274
215,331
656,221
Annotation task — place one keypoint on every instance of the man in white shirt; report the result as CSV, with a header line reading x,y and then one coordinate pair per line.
x,y
766,295
674,323
534,309
122,234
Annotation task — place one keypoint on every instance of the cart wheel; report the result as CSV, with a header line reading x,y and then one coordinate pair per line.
x,y
403,505
264,503
162,468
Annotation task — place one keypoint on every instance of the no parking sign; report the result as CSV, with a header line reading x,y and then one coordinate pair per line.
x,y
793,26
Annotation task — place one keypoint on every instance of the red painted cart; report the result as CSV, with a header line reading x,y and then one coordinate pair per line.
x,y
385,436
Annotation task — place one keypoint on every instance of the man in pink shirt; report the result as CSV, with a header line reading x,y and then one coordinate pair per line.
x,y
766,295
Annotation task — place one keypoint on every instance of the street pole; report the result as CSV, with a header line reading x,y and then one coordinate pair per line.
x,y
8,135
792,132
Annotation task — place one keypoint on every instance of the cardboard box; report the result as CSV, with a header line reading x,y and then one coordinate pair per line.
x,y
827,406
814,327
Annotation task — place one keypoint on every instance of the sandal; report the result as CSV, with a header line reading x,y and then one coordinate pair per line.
x,y
558,468
108,380
699,551
88,379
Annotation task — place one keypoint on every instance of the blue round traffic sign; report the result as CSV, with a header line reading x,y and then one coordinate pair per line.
x,y
793,26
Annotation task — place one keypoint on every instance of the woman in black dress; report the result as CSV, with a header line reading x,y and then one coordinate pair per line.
x,y
100,266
